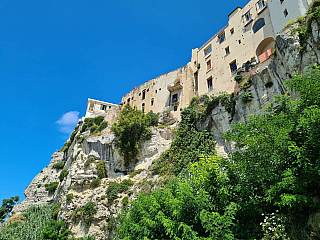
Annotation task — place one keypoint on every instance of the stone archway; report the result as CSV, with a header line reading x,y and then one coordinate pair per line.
x,y
264,49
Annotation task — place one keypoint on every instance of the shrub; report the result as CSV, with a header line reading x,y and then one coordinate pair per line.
x,y
82,238
110,225
147,134
101,168
102,126
154,118
88,161
69,197
125,201
246,97
74,133
81,139
93,129
98,120
136,172
66,146
55,210
63,174
55,231
6,207
129,128
88,122
114,188
103,197
59,165
87,212
238,78
39,185
51,187
95,183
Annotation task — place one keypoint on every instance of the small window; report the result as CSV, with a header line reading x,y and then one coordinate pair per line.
x,y
143,105
247,17
143,94
152,102
103,107
227,50
156,91
207,50
109,107
258,25
222,37
285,12
140,94
209,82
174,98
148,90
233,67
132,98
239,41
175,108
261,5
281,1
159,89
209,65
232,31
128,100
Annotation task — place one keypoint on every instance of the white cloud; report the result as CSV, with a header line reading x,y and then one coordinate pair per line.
x,y
68,121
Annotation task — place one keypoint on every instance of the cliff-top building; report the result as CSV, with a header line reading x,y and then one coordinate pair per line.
x,y
242,46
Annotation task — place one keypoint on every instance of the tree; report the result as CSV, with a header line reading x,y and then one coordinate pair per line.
x,y
54,231
7,205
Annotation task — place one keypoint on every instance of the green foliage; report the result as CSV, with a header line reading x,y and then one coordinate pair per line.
x,y
51,187
102,126
69,197
88,161
64,173
55,231
98,120
188,145
59,165
83,238
125,201
66,146
73,134
81,139
154,118
136,172
131,125
246,97
88,122
114,188
103,197
101,168
95,183
55,210
93,129
147,134
76,156
39,185
85,213
238,78
6,207
30,228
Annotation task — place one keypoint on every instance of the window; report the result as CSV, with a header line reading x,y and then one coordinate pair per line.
x,y
152,102
128,100
143,105
222,37
103,107
207,50
156,91
209,82
285,12
261,4
281,1
143,94
132,98
174,98
209,65
232,31
227,50
247,17
258,25
239,41
233,67
175,108
109,107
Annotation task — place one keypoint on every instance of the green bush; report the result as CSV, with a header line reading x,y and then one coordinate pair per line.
x,y
55,210
238,78
81,139
74,133
66,146
69,197
51,187
55,231
102,126
39,185
147,134
7,205
85,213
125,201
93,129
88,122
103,197
88,161
129,128
98,120
95,183
246,97
136,172
154,118
101,168
59,165
63,174
114,188
83,238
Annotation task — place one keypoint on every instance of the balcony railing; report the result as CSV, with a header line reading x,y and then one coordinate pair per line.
x,y
265,56
174,86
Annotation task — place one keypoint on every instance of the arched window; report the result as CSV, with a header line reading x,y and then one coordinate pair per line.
x,y
259,24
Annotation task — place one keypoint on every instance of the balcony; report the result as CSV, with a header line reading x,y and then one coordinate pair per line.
x,y
175,86
265,56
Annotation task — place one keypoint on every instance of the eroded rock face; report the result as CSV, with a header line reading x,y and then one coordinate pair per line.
x,y
102,148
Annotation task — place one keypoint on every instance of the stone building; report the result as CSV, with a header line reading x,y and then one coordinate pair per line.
x,y
243,46
99,108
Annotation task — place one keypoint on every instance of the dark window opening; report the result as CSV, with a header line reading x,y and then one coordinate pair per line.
x,y
281,1
128,100
210,86
148,90
156,91
209,65
196,81
207,50
239,41
175,108
143,105
285,12
109,107
258,25
232,31
222,37
139,94
227,50
152,101
174,98
233,67
103,107
143,94
132,98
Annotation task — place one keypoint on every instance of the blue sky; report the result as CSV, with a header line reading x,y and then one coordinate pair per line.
x,y
54,55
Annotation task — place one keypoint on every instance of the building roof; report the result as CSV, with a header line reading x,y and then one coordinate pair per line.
x,y
98,101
